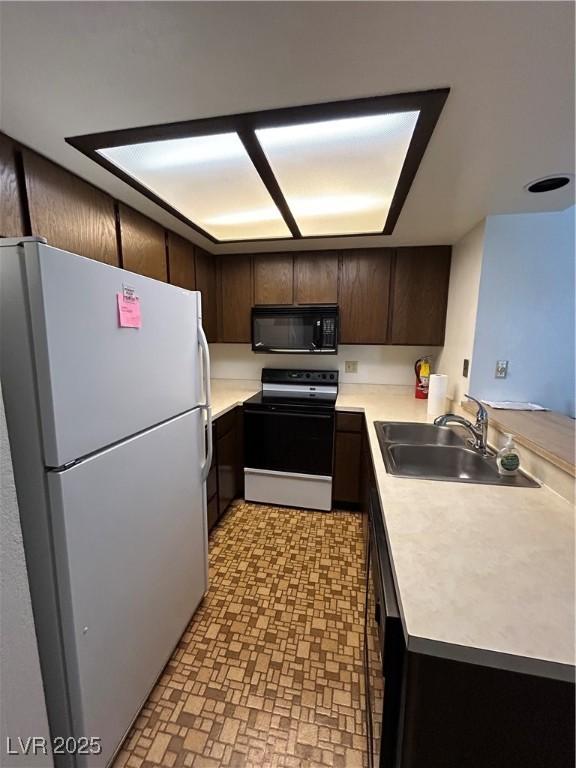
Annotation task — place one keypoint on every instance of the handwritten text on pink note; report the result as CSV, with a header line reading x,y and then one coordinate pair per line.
x,y
129,312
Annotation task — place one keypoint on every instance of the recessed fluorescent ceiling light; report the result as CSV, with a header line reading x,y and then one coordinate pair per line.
x,y
203,174
339,176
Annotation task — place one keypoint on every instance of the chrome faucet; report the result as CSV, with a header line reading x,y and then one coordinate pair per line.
x,y
478,430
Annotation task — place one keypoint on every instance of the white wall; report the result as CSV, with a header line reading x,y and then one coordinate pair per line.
x,y
526,310
376,364
22,706
463,292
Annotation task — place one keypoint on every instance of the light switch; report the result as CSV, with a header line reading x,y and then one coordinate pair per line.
x,y
465,367
501,369
351,366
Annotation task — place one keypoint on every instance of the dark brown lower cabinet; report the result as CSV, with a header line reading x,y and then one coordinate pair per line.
x,y
226,478
346,489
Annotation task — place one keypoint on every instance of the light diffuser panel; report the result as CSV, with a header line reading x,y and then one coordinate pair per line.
x,y
209,179
339,176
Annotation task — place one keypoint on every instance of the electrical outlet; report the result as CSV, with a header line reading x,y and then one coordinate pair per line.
x,y
351,366
465,367
501,369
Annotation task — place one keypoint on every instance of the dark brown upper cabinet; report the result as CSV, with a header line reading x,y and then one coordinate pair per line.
x,y
316,277
143,244
363,295
70,213
181,262
420,295
273,278
235,298
11,224
206,284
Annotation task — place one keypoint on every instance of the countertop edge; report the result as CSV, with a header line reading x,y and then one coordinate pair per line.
x,y
485,657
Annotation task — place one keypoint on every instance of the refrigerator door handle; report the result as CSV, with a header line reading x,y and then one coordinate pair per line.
x,y
207,406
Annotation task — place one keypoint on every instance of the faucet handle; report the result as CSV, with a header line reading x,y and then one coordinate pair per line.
x,y
482,414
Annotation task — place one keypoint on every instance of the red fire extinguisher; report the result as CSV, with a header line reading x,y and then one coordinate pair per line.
x,y
422,371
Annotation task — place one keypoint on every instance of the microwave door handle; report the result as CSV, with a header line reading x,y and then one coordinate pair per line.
x,y
317,334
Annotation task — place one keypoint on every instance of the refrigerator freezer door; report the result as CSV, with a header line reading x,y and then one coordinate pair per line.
x,y
130,534
98,382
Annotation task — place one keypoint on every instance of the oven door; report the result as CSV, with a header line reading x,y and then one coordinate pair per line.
x,y
384,648
286,440
288,457
294,330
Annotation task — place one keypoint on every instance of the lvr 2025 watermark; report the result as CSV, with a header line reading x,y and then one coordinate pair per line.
x,y
59,745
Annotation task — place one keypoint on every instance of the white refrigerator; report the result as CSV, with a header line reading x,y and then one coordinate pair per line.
x,y
110,433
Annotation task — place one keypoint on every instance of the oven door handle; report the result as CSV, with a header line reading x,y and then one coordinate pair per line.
x,y
272,410
294,350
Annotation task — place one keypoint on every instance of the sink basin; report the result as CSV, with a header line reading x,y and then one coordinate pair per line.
x,y
428,452
409,432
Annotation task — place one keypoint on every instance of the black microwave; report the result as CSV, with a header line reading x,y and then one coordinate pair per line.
x,y
294,330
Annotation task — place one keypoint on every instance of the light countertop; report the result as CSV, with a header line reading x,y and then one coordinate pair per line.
x,y
484,574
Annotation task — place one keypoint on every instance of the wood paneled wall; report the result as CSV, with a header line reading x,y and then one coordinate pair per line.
x,y
70,213
11,224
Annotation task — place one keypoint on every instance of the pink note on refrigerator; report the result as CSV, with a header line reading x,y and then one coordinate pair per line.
x,y
129,312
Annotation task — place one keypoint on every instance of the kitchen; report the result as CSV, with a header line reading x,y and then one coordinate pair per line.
x,y
335,591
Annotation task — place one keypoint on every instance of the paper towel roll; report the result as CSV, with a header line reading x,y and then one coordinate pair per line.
x,y
437,394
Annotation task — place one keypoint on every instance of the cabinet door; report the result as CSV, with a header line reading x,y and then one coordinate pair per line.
x,y
11,224
273,278
181,261
206,284
143,244
364,293
70,213
227,458
316,277
420,295
347,465
235,298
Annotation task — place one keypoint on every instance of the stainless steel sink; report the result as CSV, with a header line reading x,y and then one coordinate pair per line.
x,y
428,452
420,434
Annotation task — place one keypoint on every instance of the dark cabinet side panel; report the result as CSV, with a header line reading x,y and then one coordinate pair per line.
x,y
240,452
347,467
70,213
273,278
460,714
181,261
143,244
11,224
316,277
206,284
227,458
212,512
420,295
235,298
364,292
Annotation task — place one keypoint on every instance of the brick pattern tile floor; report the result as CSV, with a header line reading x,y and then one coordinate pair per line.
x,y
269,670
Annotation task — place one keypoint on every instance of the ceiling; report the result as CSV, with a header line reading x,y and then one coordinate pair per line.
x,y
82,67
